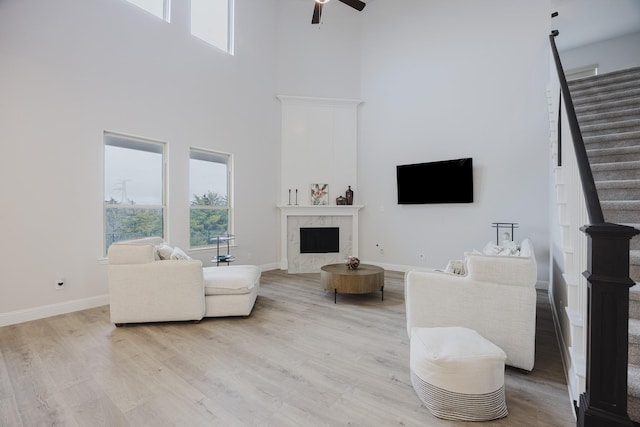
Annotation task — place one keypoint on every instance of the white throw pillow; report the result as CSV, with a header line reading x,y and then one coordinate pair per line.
x,y
164,251
179,254
509,249
456,267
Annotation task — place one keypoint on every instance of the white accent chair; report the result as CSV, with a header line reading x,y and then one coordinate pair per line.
x,y
496,298
143,288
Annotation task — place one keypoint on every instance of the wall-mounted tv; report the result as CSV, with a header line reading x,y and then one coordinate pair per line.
x,y
448,181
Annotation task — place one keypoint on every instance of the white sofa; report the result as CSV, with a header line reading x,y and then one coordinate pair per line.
x,y
144,288
496,297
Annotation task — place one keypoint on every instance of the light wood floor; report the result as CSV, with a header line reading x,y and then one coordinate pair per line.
x,y
299,360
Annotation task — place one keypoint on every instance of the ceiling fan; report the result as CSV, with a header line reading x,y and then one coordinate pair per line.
x,y
317,8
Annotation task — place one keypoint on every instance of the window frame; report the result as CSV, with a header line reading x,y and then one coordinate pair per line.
x,y
205,152
137,143
229,48
166,10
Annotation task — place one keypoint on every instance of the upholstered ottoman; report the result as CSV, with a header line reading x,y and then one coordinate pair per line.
x,y
230,290
458,374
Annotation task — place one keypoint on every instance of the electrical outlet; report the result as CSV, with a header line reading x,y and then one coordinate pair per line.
x,y
59,284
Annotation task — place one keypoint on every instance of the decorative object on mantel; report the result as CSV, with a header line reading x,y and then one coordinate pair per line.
x,y
499,225
341,201
289,203
349,196
296,197
319,194
352,262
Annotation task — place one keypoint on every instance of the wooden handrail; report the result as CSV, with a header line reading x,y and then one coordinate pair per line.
x,y
592,200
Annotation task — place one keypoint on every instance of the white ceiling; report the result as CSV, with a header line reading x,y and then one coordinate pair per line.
x,y
583,22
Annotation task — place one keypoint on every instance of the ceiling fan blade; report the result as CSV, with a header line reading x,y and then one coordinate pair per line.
x,y
317,11
356,4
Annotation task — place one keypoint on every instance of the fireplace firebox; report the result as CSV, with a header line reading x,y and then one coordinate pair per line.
x,y
319,240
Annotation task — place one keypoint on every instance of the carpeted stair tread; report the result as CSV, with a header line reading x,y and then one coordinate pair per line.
x,y
620,139
608,78
616,165
628,125
634,271
602,97
621,104
606,87
634,302
612,171
634,380
614,154
621,211
633,392
634,342
622,205
634,329
605,80
622,189
610,116
620,183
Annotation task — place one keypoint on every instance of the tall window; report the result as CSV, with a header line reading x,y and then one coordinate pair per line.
x,y
159,8
210,189
212,21
134,188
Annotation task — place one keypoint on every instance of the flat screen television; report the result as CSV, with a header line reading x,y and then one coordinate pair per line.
x,y
448,181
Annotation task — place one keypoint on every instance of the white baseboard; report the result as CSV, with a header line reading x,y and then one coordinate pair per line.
x,y
269,267
564,354
35,313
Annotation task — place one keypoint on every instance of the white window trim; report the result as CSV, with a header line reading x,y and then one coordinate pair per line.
x,y
165,168
230,198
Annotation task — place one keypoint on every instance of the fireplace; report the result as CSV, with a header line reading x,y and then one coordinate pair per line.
x,y
293,218
319,240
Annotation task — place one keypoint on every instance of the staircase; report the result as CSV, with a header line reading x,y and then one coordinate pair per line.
x,y
608,110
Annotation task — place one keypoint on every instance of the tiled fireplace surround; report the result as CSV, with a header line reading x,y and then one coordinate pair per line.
x,y
295,217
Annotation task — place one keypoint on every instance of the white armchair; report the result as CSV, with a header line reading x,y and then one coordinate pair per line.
x,y
497,298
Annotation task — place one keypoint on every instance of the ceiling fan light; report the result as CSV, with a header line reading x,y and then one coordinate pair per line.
x,y
322,1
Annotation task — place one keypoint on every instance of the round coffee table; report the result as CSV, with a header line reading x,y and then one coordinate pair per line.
x,y
363,280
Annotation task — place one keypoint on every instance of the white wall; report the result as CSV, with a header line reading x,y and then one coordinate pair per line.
x,y
319,60
438,80
445,80
71,69
614,54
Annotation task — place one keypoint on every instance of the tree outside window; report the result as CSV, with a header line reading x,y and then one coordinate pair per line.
x,y
134,188
210,206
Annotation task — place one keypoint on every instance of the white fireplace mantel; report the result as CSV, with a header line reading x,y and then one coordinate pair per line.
x,y
315,210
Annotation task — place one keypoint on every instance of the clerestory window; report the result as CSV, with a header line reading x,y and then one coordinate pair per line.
x,y
212,21
159,8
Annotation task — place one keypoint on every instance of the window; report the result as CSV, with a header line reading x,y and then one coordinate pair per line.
x,y
212,21
210,204
159,8
134,188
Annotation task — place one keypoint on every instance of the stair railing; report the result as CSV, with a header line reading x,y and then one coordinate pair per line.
x,y
604,401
